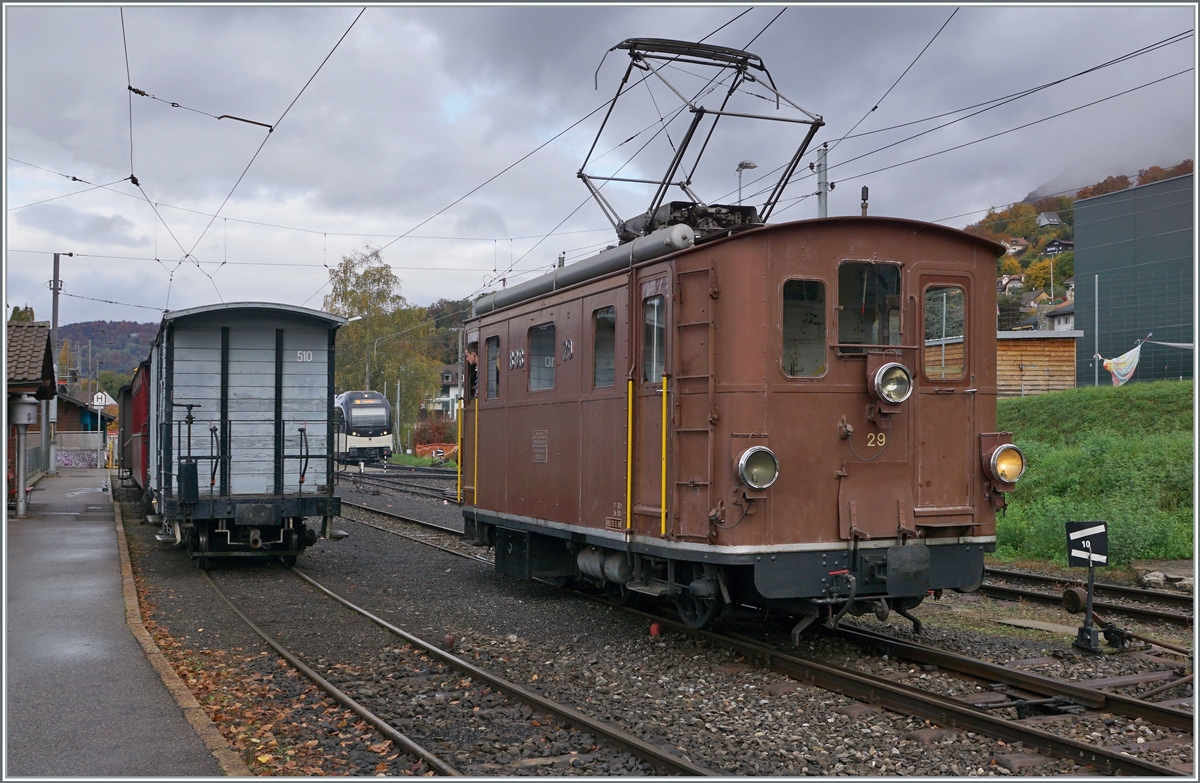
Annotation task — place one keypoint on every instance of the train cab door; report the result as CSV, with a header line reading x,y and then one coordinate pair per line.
x,y
649,333
945,381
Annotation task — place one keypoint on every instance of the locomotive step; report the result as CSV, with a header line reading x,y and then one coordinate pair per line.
x,y
656,589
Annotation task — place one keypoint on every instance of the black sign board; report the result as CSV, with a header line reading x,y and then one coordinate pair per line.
x,y
1087,544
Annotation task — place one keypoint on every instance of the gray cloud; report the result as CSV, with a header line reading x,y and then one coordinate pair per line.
x,y
420,105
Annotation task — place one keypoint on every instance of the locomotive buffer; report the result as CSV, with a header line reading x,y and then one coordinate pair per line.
x,y
1087,547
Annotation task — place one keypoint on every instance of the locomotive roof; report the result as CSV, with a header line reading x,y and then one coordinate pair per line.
x,y
849,220
275,306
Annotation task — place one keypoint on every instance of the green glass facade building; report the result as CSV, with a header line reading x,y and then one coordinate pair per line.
x,y
1135,250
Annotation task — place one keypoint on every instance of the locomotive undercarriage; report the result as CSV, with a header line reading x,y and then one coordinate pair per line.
x,y
811,586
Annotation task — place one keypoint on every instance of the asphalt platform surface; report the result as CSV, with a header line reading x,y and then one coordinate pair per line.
x,y
81,699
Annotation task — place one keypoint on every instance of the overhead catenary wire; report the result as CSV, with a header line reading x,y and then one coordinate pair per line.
x,y
991,104
990,136
901,76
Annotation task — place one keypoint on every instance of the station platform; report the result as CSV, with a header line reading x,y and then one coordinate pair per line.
x,y
83,695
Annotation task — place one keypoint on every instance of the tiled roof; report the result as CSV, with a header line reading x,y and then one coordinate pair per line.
x,y
29,358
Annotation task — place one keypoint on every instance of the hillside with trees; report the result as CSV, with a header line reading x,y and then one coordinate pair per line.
x,y
1020,221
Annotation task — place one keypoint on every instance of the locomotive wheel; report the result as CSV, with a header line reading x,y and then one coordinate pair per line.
x,y
618,595
696,613
202,546
291,540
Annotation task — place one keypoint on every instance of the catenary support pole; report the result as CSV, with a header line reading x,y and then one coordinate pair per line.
x,y
52,457
1096,335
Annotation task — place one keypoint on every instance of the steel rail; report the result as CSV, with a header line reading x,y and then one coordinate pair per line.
x,y
441,767
914,701
1116,591
1139,612
398,486
1117,704
402,518
665,762
421,540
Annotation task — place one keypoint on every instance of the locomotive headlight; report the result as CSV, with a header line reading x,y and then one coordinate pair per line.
x,y
757,467
1008,463
893,383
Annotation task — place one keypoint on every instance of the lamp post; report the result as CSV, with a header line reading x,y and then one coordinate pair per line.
x,y
745,164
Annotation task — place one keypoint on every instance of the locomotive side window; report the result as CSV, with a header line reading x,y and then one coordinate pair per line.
x,y
868,304
541,357
493,367
604,333
654,338
804,328
945,334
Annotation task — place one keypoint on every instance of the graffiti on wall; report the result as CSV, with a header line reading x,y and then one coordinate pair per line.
x,y
76,459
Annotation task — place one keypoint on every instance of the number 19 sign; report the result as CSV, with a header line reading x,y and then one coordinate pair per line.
x,y
1087,544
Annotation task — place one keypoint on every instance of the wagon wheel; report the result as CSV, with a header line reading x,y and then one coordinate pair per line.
x,y
696,613
618,595
202,546
561,582
291,541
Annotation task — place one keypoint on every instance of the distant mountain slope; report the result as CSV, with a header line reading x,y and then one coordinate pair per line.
x,y
120,345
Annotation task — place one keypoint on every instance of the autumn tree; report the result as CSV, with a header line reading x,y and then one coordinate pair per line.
x,y
21,314
1156,173
448,316
1008,265
388,342
1109,184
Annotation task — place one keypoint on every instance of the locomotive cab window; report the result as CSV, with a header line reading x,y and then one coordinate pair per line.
x,y
803,328
541,357
868,305
654,337
471,377
493,367
604,344
945,332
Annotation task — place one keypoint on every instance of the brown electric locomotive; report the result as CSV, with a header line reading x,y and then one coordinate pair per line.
x,y
727,414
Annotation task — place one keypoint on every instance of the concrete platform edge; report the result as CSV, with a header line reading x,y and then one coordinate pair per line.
x,y
230,762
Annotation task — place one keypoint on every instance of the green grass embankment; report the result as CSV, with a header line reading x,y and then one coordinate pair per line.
x,y
1119,454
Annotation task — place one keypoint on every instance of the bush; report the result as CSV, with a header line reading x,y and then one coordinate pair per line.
x,y
1122,455
435,431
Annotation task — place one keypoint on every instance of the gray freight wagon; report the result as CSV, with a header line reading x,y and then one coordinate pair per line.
x,y
240,428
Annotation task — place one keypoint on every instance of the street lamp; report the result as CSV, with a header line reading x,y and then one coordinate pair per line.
x,y
745,164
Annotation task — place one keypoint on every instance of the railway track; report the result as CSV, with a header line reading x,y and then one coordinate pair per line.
x,y
479,681
1127,601
383,481
1019,688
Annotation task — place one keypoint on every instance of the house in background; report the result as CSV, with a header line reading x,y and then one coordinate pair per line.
x,y
1056,246
29,370
1010,284
1015,245
1048,219
1062,318
446,403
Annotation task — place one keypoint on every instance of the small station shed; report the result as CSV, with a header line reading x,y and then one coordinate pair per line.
x,y
1035,362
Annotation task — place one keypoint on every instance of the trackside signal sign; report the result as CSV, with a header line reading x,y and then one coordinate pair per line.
x,y
1087,544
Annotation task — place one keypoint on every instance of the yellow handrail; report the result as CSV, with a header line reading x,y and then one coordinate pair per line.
x,y
629,457
663,492
475,448
458,441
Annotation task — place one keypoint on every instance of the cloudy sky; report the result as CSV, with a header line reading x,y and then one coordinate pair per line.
x,y
416,108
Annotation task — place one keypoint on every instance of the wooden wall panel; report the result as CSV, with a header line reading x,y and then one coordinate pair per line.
x,y
1034,365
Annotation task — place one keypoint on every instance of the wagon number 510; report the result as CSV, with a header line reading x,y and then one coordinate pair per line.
x,y
304,356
